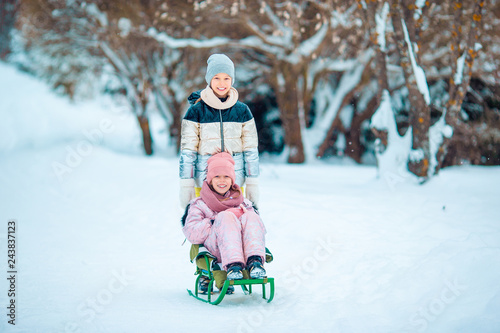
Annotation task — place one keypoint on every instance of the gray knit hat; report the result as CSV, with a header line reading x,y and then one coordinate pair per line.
x,y
219,63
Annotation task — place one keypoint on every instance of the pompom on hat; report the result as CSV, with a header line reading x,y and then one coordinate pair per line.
x,y
220,164
219,63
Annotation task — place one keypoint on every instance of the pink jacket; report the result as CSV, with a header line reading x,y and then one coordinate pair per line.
x,y
197,222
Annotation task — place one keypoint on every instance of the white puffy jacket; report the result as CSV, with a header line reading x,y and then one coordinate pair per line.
x,y
211,126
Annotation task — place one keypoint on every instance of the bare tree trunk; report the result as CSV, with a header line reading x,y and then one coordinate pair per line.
x,y
138,87
144,95
177,112
175,127
383,84
354,148
285,87
381,71
336,125
459,89
382,80
352,134
419,115
147,139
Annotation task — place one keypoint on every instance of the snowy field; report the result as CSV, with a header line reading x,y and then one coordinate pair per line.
x,y
99,239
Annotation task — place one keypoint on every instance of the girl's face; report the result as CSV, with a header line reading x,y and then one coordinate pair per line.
x,y
220,84
221,183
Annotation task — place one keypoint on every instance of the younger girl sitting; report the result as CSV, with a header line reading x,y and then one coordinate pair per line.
x,y
225,222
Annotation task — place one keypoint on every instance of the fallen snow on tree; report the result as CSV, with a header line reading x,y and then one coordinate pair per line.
x,y
381,20
437,133
417,70
392,161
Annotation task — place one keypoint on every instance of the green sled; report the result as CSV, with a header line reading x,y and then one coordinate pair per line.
x,y
218,277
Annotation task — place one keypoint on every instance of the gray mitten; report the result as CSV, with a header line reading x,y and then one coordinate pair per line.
x,y
252,189
186,193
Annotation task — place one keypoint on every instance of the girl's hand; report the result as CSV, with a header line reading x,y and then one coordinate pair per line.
x,y
238,211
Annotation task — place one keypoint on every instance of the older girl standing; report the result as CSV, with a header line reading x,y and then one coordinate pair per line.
x,y
218,122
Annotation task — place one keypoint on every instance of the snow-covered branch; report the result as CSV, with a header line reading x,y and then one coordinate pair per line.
x,y
254,42
349,81
270,40
114,58
176,43
336,65
417,70
307,47
381,20
287,32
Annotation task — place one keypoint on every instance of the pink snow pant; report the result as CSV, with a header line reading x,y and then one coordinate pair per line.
x,y
235,240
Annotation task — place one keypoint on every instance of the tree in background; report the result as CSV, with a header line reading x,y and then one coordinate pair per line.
x,y
8,14
297,44
68,41
436,55
323,66
473,46
59,46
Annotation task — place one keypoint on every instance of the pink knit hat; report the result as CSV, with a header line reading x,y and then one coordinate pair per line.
x,y
220,164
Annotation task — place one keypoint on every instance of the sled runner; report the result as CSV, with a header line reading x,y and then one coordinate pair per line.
x,y
207,267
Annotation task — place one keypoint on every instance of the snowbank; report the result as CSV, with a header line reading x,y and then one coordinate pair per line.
x,y
34,117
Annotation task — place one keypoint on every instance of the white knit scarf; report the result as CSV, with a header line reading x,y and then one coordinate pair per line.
x,y
209,97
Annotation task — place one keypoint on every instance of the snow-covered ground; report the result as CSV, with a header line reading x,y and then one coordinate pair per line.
x,y
99,239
